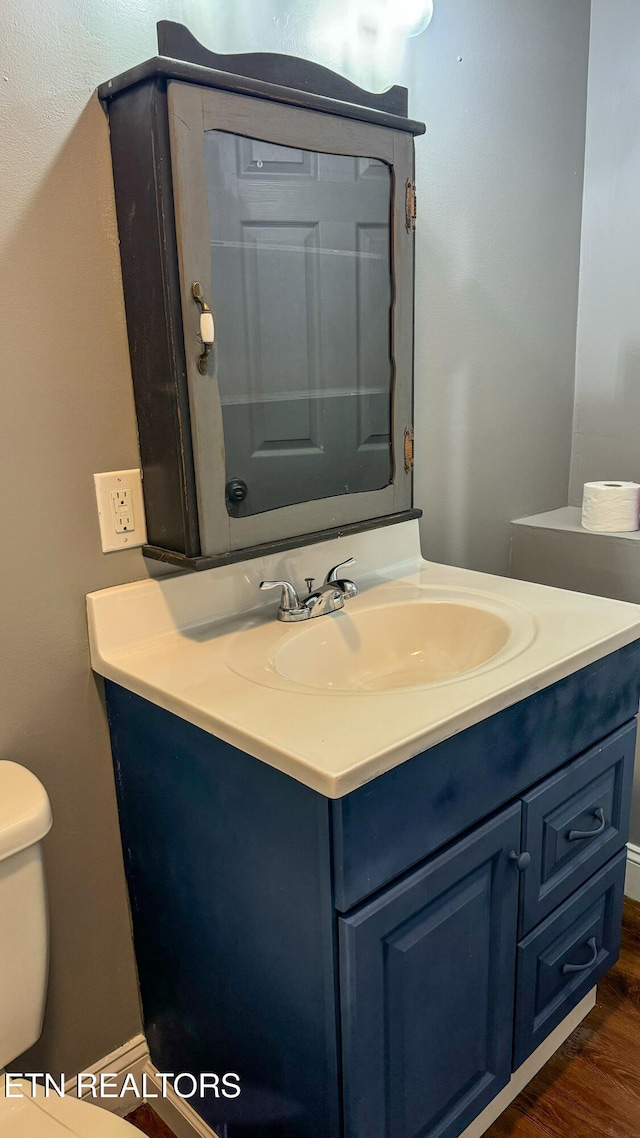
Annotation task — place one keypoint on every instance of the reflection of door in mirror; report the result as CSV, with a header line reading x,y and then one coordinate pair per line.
x,y
301,285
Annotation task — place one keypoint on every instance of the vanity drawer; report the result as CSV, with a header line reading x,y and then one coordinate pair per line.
x,y
573,822
562,959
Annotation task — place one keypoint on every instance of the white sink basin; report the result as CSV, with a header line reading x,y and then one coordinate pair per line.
x,y
406,638
398,646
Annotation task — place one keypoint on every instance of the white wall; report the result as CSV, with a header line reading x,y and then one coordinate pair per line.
x,y
606,439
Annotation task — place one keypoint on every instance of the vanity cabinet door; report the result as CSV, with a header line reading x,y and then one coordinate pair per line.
x,y
427,989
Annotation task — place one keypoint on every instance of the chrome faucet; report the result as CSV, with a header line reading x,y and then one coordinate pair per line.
x,y
328,597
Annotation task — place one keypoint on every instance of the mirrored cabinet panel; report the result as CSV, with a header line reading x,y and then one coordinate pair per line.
x,y
267,237
302,289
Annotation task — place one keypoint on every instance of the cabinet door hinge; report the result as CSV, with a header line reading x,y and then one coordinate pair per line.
x,y
408,449
410,206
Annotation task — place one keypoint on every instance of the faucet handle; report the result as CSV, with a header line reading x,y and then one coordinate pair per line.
x,y
332,575
289,600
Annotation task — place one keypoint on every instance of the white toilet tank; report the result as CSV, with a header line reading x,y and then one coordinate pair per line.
x,y
25,817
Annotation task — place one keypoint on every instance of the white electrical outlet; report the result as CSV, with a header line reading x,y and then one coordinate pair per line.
x,y
120,509
122,506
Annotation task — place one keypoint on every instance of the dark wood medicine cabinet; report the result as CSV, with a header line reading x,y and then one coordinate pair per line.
x,y
272,202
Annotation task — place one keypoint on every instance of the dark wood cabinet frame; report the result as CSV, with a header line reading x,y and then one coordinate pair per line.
x,y
137,106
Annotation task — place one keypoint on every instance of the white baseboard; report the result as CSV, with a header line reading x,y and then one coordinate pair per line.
x,y
129,1059
632,878
176,1112
133,1059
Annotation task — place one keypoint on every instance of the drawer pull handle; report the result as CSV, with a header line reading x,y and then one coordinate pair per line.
x,y
522,860
591,943
573,835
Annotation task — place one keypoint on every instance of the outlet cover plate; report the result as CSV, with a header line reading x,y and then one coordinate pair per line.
x,y
116,533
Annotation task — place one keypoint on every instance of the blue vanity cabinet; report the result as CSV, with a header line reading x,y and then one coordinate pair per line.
x,y
228,864
428,972
375,966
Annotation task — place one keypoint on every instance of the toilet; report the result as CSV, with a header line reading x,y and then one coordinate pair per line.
x,y
25,818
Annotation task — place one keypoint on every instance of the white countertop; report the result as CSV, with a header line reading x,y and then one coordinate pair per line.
x,y
175,642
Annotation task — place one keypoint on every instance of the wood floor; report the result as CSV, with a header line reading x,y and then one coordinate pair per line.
x,y
148,1122
591,1086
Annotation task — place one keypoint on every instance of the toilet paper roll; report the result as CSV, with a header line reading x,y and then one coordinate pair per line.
x,y
611,507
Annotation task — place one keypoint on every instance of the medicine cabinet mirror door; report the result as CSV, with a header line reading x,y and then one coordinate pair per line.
x,y
292,224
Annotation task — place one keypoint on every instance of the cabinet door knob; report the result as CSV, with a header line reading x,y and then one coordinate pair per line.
x,y
522,860
574,835
236,490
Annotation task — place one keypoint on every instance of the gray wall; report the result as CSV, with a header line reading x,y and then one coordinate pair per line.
x,y
607,412
606,430
67,411
606,435
499,175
